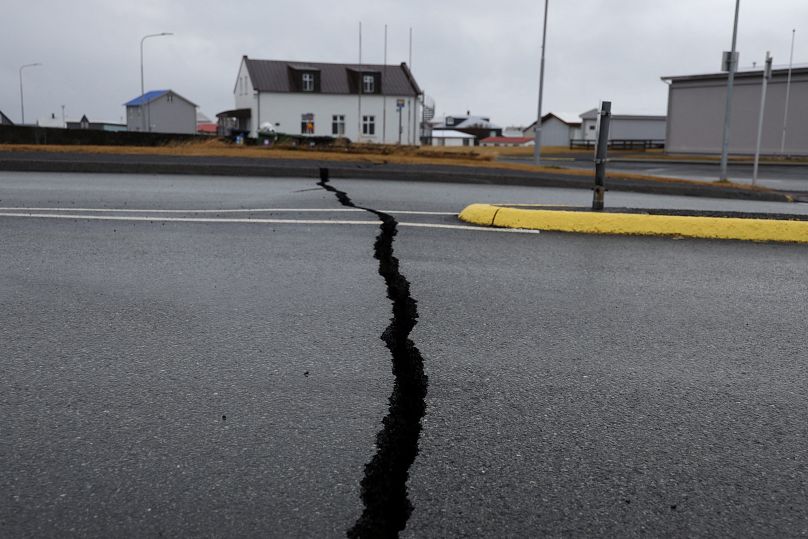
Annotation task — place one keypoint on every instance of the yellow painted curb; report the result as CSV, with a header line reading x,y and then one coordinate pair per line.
x,y
727,228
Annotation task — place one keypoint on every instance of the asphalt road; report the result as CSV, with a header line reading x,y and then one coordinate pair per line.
x,y
790,178
209,372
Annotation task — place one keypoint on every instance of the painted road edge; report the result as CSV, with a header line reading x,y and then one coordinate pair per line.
x,y
583,222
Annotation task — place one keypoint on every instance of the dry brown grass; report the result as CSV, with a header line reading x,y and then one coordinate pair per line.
x,y
477,157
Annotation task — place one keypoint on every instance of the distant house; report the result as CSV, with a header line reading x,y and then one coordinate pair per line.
x,y
478,126
161,111
513,142
557,129
696,107
450,137
84,123
628,127
364,103
5,120
50,121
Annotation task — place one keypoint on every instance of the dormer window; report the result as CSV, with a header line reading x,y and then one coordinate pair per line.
x,y
368,84
308,82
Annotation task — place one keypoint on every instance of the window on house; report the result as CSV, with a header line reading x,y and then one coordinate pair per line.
x,y
591,127
307,124
368,84
308,82
368,125
338,125
170,98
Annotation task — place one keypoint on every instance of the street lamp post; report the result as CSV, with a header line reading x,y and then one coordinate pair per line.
x,y
22,102
142,89
537,136
788,95
733,66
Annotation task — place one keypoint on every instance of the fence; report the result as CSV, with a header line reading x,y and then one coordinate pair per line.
x,y
29,134
620,144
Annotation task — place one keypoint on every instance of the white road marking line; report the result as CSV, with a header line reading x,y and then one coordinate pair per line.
x,y
245,210
471,227
254,221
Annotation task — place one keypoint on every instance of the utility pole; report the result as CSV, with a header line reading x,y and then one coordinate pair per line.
x,y
767,75
537,136
147,117
359,93
732,60
22,102
384,93
788,95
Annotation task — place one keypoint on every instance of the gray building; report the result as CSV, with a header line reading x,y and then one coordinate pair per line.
x,y
161,111
557,129
629,127
696,113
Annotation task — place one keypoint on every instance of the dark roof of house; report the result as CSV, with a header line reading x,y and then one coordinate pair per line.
x,y
5,120
150,96
276,76
743,74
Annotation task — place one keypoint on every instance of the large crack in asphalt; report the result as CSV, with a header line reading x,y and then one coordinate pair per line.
x,y
384,487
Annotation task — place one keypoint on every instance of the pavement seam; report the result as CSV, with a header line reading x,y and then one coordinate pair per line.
x,y
384,486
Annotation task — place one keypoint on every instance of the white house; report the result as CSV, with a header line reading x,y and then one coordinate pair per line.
x,y
363,103
450,137
161,111
557,129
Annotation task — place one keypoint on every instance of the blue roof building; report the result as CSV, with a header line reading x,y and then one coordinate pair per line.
x,y
161,111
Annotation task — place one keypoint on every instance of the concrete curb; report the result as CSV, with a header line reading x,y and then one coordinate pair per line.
x,y
584,222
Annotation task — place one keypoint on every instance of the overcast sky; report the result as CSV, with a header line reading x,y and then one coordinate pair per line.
x,y
469,55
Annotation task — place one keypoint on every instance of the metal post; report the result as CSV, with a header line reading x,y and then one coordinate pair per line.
x,y
400,128
359,122
601,154
767,73
383,90
728,109
142,89
22,103
537,135
788,94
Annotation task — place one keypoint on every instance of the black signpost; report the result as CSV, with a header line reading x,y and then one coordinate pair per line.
x,y
600,155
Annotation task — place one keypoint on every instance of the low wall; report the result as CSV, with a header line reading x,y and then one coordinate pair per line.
x,y
28,134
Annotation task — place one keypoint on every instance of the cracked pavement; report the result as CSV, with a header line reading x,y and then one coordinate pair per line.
x,y
216,378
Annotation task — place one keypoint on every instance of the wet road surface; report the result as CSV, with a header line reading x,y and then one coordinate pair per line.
x,y
193,372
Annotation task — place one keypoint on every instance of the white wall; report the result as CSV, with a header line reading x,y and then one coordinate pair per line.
x,y
453,142
637,129
626,128
554,132
696,116
286,109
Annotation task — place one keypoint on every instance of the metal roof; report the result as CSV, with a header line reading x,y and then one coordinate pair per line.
x,y
275,76
151,95
741,73
449,133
